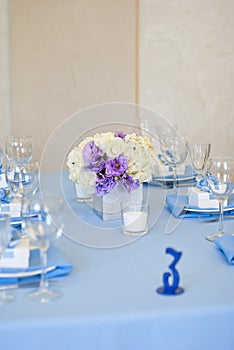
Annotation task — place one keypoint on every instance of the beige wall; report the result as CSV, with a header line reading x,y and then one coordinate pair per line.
x,y
186,66
5,120
68,55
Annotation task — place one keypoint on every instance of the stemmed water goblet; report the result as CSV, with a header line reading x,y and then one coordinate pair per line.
x,y
23,180
5,236
44,229
174,150
220,179
199,153
19,148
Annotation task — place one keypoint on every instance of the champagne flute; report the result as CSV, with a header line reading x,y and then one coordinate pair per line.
x,y
199,153
43,231
174,150
220,179
5,236
19,148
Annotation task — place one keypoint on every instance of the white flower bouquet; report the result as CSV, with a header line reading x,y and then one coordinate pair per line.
x,y
98,163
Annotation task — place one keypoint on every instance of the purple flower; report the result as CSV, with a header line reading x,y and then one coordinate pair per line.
x,y
93,156
120,134
116,166
129,183
104,185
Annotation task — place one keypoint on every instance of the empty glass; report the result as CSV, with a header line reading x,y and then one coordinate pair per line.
x,y
5,236
220,178
22,179
19,148
43,230
174,150
199,153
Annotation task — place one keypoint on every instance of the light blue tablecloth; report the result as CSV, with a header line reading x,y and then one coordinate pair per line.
x,y
110,301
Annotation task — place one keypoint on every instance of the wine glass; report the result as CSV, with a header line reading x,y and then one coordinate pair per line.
x,y
43,230
199,153
220,179
5,236
174,150
19,148
22,179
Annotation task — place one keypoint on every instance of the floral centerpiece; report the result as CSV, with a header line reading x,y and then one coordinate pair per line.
x,y
100,162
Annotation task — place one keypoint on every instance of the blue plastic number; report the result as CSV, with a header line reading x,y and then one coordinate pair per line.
x,y
173,288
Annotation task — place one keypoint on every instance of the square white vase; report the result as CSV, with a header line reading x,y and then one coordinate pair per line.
x,y
83,195
108,207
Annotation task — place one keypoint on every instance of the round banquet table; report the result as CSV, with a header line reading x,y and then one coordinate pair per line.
x,y
109,298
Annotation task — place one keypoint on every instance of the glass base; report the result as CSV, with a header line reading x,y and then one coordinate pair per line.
x,y
135,233
84,200
212,237
44,295
6,298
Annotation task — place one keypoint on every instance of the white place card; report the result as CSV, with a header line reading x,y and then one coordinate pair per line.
x,y
16,257
13,208
203,200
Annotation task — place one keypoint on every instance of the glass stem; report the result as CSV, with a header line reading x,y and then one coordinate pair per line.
x,y
174,178
221,232
43,254
22,231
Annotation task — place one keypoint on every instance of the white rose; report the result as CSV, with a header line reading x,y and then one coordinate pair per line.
x,y
114,148
103,138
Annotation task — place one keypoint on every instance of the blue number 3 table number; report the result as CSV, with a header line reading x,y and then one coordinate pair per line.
x,y
173,287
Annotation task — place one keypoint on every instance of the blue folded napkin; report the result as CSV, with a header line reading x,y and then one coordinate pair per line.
x,y
226,245
203,185
55,258
178,206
